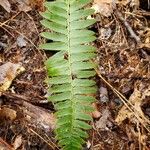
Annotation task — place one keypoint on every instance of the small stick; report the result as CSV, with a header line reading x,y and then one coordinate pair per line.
x,y
4,145
3,23
49,143
127,25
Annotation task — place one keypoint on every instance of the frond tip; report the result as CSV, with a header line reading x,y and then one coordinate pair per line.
x,y
70,68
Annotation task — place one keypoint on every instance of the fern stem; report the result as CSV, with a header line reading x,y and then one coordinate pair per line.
x,y
69,59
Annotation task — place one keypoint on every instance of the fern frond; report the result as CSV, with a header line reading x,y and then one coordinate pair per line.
x,y
70,68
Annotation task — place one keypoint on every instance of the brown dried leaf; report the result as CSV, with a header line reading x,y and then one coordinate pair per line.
x,y
134,3
102,122
18,141
38,4
136,100
24,5
104,7
28,5
6,5
123,2
8,113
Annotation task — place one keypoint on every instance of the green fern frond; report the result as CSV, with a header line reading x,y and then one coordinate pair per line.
x,y
70,68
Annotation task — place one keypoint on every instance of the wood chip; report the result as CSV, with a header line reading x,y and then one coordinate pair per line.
x,y
8,72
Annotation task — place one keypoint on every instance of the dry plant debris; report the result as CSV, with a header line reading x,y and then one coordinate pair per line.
x,y
8,72
39,116
103,121
8,113
136,99
4,145
103,7
17,142
6,5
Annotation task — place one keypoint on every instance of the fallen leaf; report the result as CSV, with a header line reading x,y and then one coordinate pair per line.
x,y
38,4
104,7
6,5
8,113
28,5
18,141
103,121
136,100
134,3
24,5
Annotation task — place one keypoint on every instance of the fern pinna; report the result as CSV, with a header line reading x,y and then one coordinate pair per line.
x,y
70,69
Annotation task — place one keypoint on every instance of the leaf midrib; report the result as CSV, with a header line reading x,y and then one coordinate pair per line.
x,y
70,64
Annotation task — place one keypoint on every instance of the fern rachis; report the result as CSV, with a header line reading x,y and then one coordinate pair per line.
x,y
70,68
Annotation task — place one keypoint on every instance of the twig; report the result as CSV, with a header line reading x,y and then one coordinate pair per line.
x,y
7,31
6,145
127,25
3,23
33,23
52,145
25,38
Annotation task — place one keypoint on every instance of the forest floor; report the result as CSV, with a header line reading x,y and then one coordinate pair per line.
x,y
121,121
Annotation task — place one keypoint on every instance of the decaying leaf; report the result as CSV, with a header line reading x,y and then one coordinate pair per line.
x,y
134,3
6,5
28,5
8,72
18,141
136,100
104,7
103,121
24,5
8,113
